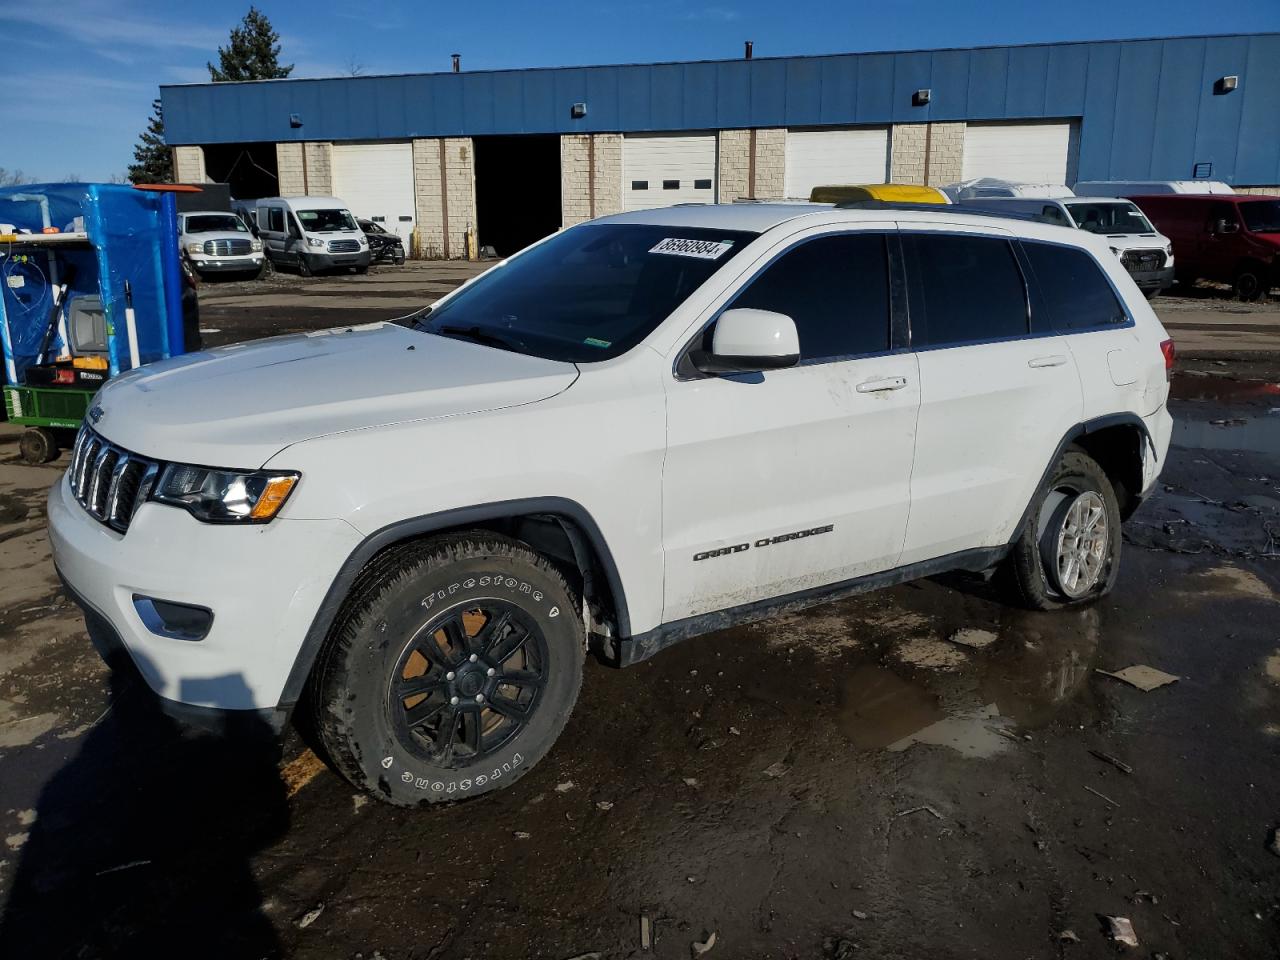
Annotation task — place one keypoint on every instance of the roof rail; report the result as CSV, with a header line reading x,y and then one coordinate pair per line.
x,y
944,208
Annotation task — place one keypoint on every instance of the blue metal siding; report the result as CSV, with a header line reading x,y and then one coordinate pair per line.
x,y
1147,108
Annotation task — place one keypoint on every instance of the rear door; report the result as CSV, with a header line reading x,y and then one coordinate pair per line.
x,y
995,398
1076,296
790,480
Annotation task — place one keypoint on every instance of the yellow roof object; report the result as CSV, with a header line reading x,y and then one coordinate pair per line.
x,y
890,192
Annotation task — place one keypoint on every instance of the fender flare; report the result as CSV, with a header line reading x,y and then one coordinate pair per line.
x,y
1081,429
431,523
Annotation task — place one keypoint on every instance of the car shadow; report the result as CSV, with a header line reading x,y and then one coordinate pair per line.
x,y
142,843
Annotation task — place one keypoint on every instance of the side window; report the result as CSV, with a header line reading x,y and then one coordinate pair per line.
x,y
1218,213
1075,290
967,289
276,221
835,288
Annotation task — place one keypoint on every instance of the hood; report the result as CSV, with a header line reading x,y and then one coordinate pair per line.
x,y
237,406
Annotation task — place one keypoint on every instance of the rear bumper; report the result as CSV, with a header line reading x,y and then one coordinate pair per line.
x,y
1160,430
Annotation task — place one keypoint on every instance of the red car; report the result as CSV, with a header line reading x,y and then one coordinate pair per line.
x,y
1230,239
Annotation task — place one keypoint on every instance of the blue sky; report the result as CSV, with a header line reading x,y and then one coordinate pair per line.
x,y
81,74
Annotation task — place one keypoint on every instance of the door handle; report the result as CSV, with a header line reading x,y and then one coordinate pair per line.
x,y
1056,360
879,386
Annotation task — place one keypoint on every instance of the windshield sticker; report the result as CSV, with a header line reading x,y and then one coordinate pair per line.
x,y
702,249
595,342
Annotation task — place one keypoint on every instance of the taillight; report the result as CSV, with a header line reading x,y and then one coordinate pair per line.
x,y
1166,347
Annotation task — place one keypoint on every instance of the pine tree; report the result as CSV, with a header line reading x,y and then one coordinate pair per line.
x,y
253,52
152,162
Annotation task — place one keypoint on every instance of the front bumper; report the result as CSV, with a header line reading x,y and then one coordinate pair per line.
x,y
264,584
319,260
227,264
1156,280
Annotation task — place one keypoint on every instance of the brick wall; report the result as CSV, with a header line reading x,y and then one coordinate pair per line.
x,y
945,153
733,160
1259,191
315,179
575,176
450,198
188,165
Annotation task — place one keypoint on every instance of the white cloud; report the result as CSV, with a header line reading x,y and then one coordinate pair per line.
x,y
111,34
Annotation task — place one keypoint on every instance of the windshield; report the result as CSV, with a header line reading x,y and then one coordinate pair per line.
x,y
589,293
1262,216
1112,217
326,221
215,223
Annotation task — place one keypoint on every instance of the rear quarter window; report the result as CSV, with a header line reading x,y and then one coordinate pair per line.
x,y
1075,291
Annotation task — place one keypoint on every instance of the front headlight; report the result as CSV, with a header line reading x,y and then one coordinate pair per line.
x,y
225,496
255,245
314,242
363,242
195,246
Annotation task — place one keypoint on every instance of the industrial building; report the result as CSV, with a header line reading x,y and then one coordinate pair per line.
x,y
516,154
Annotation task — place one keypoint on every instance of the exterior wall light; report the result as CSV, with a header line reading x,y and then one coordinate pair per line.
x,y
295,120
921,97
578,111
1226,84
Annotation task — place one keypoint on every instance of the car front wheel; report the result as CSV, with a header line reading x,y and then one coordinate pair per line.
x,y
1068,552
451,670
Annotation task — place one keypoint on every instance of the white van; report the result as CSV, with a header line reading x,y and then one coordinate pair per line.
x,y
992,187
1145,253
311,233
1145,188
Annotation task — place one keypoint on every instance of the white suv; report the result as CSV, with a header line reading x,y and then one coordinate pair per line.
x,y
643,428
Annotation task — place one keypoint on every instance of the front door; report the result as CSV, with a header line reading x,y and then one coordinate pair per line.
x,y
794,479
1220,249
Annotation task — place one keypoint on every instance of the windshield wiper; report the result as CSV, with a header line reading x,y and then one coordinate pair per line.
x,y
478,335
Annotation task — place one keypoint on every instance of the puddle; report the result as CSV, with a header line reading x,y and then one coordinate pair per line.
x,y
1256,434
1226,389
975,707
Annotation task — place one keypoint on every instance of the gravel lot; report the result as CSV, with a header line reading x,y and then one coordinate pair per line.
x,y
850,781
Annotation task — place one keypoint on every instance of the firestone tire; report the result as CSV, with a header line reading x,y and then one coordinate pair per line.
x,y
451,670
1031,576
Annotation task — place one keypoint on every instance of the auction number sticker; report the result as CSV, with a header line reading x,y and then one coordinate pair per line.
x,y
702,249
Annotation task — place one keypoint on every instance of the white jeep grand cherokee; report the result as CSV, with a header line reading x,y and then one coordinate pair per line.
x,y
640,429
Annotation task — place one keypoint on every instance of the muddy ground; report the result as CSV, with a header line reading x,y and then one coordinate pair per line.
x,y
846,782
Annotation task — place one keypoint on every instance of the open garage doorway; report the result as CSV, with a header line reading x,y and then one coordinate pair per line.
x,y
249,169
517,190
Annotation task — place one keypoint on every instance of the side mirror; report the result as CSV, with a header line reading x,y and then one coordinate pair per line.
x,y
1226,226
750,341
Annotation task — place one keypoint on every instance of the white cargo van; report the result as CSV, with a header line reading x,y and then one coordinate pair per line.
x,y
311,233
1145,253
992,187
1145,188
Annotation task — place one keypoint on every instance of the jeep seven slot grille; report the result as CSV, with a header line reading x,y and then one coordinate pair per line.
x,y
109,482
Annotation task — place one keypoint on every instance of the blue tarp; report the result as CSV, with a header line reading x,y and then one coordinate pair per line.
x,y
132,237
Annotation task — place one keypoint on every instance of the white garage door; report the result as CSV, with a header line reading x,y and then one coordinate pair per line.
x,y
1023,152
659,170
825,157
376,181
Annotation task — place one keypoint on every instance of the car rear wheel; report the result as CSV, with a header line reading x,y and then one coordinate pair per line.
x,y
1249,283
451,670
1069,550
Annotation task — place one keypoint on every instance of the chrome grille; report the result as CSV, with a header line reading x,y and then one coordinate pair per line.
x,y
227,248
344,246
109,482
1140,261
